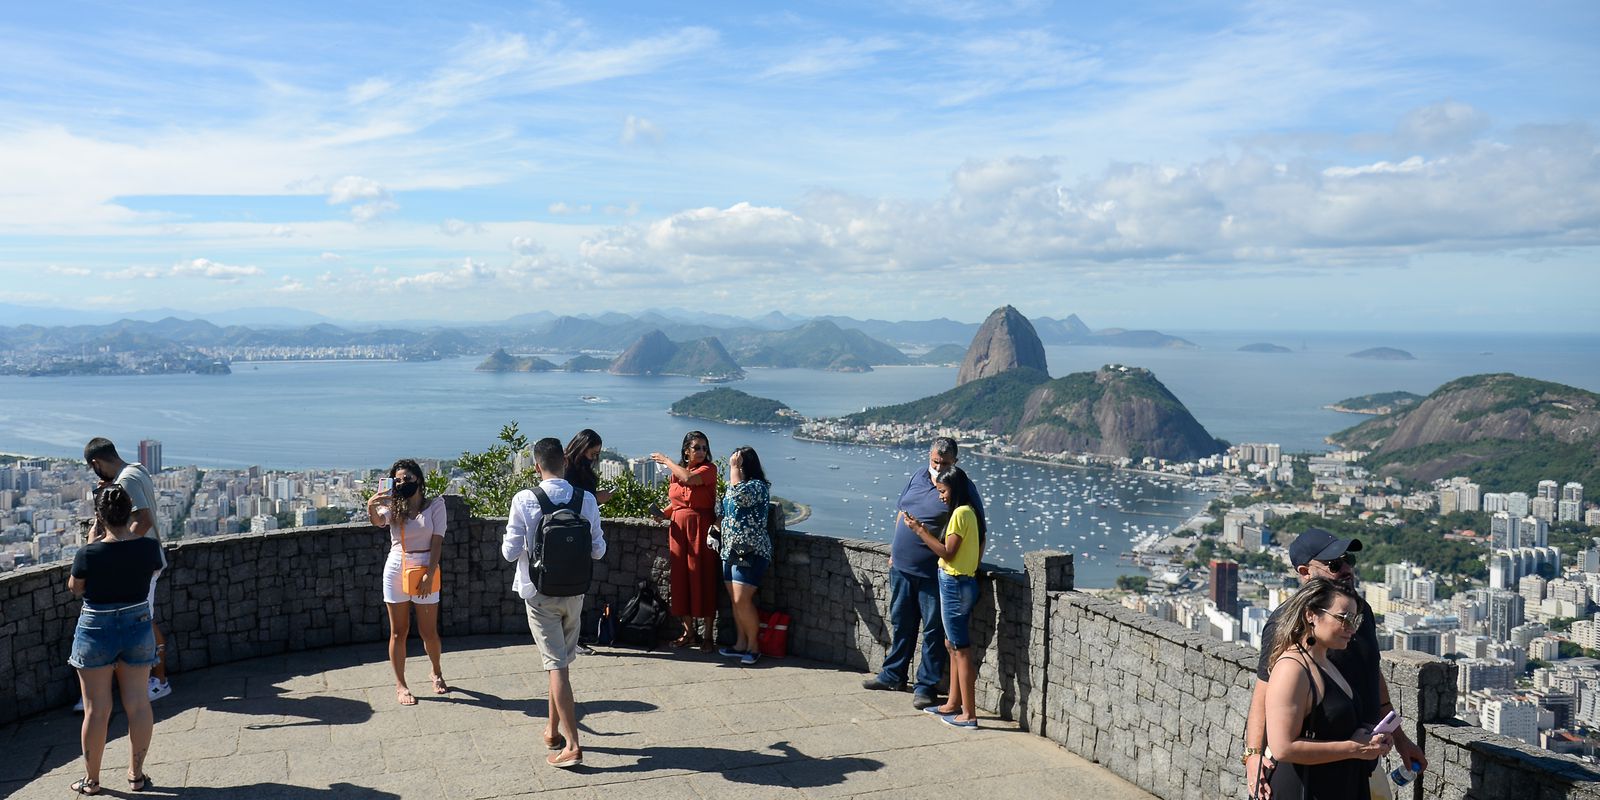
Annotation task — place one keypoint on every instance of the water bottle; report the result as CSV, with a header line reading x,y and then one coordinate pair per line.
x,y
1405,773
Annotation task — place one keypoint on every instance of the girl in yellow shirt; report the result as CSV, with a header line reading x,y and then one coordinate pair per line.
x,y
959,551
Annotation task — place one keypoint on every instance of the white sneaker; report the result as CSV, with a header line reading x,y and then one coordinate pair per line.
x,y
159,689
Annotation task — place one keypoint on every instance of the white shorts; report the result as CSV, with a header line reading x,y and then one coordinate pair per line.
x,y
393,591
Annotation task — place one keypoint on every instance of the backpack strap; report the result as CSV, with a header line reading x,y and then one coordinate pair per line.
x,y
545,505
575,503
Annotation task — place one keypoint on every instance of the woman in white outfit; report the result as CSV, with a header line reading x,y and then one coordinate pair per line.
x,y
416,526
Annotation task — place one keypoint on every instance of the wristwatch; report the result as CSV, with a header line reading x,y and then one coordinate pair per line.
x,y
1248,752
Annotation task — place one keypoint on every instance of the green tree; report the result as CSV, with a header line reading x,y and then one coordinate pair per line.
x,y
492,478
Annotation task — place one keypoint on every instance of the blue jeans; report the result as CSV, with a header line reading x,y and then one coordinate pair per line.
x,y
913,609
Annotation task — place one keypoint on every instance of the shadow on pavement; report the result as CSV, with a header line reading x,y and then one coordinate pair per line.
x,y
752,768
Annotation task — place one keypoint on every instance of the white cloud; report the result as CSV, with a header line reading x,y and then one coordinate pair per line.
x,y
831,56
369,198
76,272
331,256
561,208
469,273
640,130
456,227
289,285
192,268
1442,124
281,231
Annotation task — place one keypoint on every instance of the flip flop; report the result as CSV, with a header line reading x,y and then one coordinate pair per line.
x,y
405,697
85,786
439,686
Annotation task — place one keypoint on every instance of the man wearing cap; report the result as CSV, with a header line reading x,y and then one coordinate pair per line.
x,y
1319,554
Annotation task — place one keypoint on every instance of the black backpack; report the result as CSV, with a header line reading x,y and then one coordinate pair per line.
x,y
640,621
561,565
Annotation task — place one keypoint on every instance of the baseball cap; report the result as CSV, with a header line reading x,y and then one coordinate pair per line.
x,y
1317,544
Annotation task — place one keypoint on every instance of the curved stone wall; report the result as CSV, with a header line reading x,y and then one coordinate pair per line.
x,y
1160,705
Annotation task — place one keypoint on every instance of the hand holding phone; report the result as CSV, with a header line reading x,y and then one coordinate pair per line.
x,y
1388,724
386,484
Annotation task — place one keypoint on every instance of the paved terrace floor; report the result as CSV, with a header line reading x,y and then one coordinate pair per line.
x,y
662,724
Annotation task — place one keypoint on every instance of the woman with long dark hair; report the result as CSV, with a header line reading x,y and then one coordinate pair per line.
x,y
113,637
691,508
959,551
416,524
745,546
1313,729
583,453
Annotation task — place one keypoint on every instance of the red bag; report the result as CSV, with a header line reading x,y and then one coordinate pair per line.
x,y
773,638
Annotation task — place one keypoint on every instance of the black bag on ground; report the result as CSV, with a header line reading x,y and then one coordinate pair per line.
x,y
639,624
561,564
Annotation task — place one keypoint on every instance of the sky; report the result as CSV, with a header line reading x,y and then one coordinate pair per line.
x,y
1204,165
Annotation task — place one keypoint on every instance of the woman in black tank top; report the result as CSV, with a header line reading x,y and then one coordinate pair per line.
x,y
1313,730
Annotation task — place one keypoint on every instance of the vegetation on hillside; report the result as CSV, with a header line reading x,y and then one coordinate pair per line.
x,y
1378,403
723,404
994,403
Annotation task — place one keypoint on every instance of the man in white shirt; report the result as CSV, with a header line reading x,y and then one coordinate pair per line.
x,y
554,621
101,456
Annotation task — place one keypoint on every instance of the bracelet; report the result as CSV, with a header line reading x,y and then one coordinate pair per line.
x,y
1248,752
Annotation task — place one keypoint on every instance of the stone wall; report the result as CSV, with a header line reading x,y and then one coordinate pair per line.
x,y
1160,705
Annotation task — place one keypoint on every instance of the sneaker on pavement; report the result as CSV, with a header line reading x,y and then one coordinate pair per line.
x,y
922,701
877,685
750,658
729,652
159,689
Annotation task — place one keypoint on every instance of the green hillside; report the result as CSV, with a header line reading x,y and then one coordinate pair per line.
x,y
735,407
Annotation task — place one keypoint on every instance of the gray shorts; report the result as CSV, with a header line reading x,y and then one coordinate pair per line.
x,y
554,622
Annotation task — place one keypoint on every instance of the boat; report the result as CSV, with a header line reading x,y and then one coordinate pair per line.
x,y
833,466
589,398
718,379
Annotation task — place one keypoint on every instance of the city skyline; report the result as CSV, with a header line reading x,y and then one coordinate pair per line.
x,y
1146,166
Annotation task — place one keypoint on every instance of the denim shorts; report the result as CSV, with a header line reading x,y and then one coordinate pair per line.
x,y
957,596
108,634
732,572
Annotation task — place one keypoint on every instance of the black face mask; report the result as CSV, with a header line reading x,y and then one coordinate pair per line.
x,y
405,490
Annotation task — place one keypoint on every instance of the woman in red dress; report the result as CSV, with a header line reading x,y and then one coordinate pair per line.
x,y
691,509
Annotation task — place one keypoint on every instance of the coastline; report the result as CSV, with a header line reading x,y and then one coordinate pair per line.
x,y
740,422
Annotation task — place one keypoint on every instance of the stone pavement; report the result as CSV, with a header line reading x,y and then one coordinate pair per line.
x,y
662,724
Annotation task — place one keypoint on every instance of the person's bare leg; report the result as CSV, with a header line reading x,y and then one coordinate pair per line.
x,y
399,631
134,683
160,669
428,629
967,678
952,701
96,687
563,711
745,617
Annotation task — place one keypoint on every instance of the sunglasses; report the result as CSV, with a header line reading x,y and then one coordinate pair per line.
x,y
1338,564
697,448
1350,621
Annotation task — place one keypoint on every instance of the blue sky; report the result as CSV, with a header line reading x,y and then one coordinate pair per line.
x,y
1429,166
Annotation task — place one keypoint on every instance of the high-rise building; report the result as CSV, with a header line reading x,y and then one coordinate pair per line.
x,y
150,455
1548,489
1570,509
1494,501
1533,531
1517,504
1531,587
1503,531
1225,587
1542,508
1505,613
1422,591
1518,719
1473,674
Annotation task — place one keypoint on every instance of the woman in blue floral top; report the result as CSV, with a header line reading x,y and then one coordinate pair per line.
x,y
745,546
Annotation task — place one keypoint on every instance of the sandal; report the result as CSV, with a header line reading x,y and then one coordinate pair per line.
x,y
439,686
139,784
404,696
688,639
85,786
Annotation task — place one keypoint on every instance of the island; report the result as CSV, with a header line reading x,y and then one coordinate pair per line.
x,y
1384,354
586,363
501,361
655,354
1264,347
733,407
1376,404
945,355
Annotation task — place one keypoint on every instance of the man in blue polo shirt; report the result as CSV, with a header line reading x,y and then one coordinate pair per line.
x,y
914,583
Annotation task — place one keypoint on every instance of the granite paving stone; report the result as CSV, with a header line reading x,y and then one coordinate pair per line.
x,y
664,724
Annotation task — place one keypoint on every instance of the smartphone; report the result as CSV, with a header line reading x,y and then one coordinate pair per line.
x,y
385,484
1388,723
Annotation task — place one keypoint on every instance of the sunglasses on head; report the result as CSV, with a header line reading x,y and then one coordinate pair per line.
x,y
1351,621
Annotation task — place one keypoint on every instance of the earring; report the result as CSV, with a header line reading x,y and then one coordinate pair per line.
x,y
1311,640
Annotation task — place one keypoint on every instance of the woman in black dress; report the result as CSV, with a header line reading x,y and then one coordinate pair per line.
x,y
583,455
1313,731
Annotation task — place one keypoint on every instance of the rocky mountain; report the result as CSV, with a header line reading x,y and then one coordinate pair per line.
x,y
1384,354
655,354
1062,331
1505,431
501,361
1117,411
1005,341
